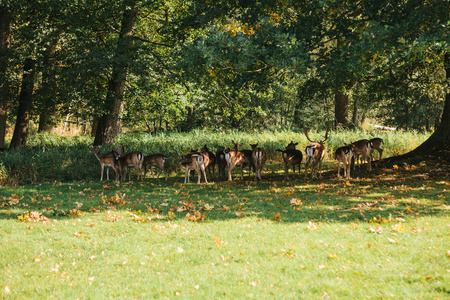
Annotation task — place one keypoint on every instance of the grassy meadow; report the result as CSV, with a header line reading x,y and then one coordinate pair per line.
x,y
66,235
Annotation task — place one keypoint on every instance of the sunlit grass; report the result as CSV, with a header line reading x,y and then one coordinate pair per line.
x,y
379,235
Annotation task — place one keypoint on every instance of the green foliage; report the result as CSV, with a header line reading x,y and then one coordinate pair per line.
x,y
50,157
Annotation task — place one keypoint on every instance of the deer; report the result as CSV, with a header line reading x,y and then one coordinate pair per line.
x,y
195,161
212,159
234,158
132,159
291,157
376,143
248,158
259,157
221,161
344,154
365,149
108,160
154,160
315,152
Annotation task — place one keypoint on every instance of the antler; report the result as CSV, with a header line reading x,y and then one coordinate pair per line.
x,y
326,134
305,131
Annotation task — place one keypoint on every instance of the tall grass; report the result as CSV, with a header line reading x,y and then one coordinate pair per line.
x,y
50,157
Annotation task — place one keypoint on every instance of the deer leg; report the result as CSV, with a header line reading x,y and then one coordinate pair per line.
x,y
230,167
306,168
204,174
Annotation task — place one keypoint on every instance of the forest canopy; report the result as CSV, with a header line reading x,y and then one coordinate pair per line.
x,y
177,65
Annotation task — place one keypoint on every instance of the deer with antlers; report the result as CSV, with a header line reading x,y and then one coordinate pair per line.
x,y
291,157
315,152
108,160
132,159
363,148
344,154
156,160
259,158
194,161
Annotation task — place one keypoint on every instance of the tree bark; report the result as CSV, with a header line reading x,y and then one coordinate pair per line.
x,y
5,30
355,112
110,124
19,138
341,109
47,105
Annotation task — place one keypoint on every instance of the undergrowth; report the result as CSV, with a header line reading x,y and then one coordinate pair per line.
x,y
50,157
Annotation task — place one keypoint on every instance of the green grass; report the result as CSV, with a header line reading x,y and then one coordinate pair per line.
x,y
381,235
50,157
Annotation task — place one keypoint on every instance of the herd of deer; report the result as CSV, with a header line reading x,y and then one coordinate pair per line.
x,y
227,159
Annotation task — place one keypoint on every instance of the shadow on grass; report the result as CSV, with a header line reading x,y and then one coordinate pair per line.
x,y
384,194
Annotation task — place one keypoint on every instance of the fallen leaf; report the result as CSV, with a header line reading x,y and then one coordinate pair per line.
x,y
311,226
276,217
378,229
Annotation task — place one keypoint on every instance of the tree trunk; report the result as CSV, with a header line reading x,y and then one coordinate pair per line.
x,y
4,81
48,103
19,138
355,112
110,124
438,144
341,109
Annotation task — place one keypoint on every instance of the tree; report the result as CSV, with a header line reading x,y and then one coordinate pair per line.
x,y
110,124
19,137
4,80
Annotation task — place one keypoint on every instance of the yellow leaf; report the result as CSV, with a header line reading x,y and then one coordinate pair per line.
x,y
333,255
395,167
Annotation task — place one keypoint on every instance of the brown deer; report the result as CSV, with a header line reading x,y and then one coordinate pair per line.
x,y
376,143
344,154
291,157
235,158
108,160
154,160
212,160
194,161
132,159
315,152
365,149
221,161
249,158
259,157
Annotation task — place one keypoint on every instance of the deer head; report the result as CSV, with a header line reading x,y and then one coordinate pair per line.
x,y
305,131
